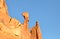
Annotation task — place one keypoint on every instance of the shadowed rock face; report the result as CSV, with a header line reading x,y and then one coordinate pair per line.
x,y
10,28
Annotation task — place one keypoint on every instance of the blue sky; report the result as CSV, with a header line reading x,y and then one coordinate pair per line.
x,y
47,12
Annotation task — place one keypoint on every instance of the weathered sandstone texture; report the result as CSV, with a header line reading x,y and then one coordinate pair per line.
x,y
10,28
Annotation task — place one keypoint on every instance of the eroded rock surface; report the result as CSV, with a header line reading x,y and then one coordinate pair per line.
x,y
11,28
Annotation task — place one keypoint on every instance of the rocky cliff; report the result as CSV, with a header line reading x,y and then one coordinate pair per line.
x,y
10,28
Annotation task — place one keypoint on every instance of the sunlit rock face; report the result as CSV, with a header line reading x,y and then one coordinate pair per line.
x,y
11,28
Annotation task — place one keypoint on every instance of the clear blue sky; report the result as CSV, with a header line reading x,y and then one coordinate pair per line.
x,y
47,12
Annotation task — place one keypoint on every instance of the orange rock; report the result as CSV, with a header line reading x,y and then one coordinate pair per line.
x,y
26,15
35,32
4,17
10,28
3,7
26,20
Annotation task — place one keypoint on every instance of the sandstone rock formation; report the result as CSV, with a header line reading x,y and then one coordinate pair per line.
x,y
35,32
10,28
